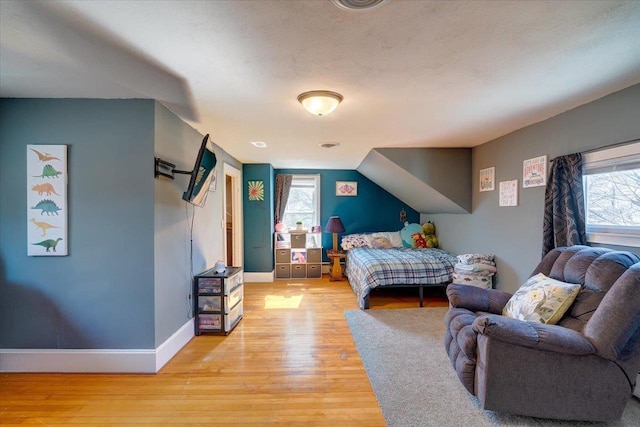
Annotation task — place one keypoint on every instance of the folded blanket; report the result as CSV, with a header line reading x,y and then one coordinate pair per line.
x,y
476,259
478,268
474,280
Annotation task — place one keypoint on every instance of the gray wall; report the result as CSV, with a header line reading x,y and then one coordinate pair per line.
x,y
98,296
514,234
178,143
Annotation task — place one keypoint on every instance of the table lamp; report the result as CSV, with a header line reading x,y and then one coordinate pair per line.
x,y
334,225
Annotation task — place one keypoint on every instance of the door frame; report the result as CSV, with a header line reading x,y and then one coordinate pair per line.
x,y
236,205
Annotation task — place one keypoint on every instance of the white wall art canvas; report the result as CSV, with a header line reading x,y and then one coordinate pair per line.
x,y
509,193
534,172
487,179
47,200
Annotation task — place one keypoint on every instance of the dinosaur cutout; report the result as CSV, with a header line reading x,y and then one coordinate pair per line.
x,y
49,244
44,188
44,157
43,225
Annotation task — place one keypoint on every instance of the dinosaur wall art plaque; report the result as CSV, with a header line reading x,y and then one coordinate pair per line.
x,y
47,200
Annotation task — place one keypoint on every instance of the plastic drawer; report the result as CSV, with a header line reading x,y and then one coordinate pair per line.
x,y
209,285
209,303
233,317
210,322
233,298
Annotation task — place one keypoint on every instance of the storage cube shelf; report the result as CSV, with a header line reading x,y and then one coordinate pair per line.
x,y
298,255
218,300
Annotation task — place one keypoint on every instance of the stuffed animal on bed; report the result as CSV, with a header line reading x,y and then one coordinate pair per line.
x,y
418,241
429,233
407,232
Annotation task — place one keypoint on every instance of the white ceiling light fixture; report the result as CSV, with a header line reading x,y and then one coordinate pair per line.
x,y
320,102
259,144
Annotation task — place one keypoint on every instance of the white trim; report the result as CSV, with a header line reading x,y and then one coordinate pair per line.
x,y
632,149
238,228
174,344
129,361
258,277
614,239
95,361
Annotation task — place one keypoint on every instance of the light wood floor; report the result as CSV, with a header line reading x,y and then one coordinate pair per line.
x,y
290,361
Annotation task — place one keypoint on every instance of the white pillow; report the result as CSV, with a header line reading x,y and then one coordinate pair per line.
x,y
541,299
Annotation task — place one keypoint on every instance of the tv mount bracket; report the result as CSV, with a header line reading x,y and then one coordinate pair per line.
x,y
166,169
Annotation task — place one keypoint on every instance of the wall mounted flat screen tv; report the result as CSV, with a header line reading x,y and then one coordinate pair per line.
x,y
202,174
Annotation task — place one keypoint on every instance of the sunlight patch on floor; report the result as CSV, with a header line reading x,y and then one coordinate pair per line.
x,y
282,301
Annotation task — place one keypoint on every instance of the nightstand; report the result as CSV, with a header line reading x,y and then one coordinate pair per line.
x,y
335,269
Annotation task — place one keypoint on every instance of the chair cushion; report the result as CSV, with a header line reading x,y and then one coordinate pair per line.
x,y
541,299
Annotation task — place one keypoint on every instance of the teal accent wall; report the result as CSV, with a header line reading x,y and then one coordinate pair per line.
x,y
258,220
101,296
373,209
126,283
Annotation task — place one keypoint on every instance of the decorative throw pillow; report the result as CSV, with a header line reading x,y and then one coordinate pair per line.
x,y
541,299
393,236
380,243
351,241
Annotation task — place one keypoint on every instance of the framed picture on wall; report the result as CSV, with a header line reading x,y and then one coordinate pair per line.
x,y
534,172
346,188
509,193
487,179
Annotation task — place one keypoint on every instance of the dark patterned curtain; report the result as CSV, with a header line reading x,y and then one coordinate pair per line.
x,y
283,185
564,223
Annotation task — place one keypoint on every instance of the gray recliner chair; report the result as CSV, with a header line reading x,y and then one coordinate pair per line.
x,y
583,368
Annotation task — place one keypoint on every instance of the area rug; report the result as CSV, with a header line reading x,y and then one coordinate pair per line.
x,y
403,353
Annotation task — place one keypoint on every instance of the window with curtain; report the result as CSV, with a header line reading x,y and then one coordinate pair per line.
x,y
612,195
304,202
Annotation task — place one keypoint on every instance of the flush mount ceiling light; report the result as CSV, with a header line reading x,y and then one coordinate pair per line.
x,y
358,5
320,102
329,144
259,144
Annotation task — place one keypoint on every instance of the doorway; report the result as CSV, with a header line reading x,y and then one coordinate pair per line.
x,y
232,216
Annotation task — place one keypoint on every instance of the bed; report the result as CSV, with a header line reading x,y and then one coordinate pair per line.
x,y
369,268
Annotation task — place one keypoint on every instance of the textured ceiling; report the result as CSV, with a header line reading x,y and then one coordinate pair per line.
x,y
412,73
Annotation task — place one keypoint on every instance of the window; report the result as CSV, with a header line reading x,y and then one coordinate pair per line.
x,y
304,202
612,195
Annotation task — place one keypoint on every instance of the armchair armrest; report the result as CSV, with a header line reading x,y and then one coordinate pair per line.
x,y
477,299
534,335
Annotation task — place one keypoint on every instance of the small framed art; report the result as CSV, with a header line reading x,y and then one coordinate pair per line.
x,y
534,172
487,179
346,188
509,193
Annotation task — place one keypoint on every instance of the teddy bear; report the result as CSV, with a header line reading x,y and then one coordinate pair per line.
x,y
429,232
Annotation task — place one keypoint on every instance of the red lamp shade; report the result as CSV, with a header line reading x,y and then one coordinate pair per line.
x,y
334,225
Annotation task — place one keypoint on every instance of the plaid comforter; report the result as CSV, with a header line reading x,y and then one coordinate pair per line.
x,y
369,268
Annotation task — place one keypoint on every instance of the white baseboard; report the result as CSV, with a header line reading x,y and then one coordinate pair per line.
x,y
96,360
258,277
174,344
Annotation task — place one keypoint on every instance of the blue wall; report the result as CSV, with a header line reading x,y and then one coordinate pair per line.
x,y
102,294
373,209
258,219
